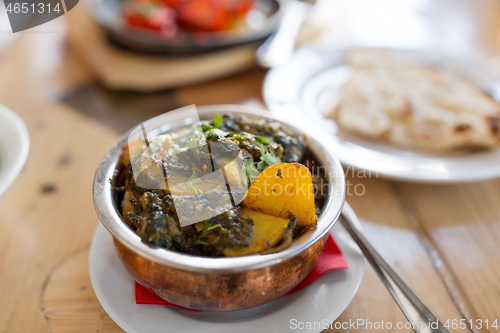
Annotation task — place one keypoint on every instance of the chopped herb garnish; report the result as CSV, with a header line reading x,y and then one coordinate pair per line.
x,y
250,169
271,159
245,135
215,189
206,127
193,144
261,139
192,188
218,119
216,133
224,230
207,229
267,159
237,135
193,175
201,242
194,178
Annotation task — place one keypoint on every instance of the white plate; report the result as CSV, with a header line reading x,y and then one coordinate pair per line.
x,y
325,299
14,146
308,86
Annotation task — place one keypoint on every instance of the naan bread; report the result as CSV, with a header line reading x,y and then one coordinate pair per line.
x,y
414,106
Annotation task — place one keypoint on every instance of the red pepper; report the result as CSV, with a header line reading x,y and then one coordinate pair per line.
x,y
195,15
152,16
202,15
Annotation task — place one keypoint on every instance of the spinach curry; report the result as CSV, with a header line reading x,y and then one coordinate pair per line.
x,y
256,143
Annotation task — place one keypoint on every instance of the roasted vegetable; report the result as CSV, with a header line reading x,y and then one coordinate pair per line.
x,y
268,231
284,190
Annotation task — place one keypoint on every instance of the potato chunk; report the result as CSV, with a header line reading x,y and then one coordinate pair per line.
x,y
268,230
127,206
284,190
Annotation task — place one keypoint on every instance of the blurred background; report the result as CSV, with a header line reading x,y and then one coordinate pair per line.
x,y
101,61
82,80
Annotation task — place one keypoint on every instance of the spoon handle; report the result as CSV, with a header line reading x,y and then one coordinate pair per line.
x,y
279,47
421,318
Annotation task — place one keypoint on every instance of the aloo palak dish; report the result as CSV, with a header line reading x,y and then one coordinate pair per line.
x,y
272,187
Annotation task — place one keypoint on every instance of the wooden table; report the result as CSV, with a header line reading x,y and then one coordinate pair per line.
x,y
444,240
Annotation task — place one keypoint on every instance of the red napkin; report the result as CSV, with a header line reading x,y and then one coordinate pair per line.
x,y
331,258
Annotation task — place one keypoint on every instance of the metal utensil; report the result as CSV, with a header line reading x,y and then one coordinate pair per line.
x,y
421,318
279,47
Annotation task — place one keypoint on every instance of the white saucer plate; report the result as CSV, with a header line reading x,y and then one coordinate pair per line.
x,y
308,87
321,302
14,146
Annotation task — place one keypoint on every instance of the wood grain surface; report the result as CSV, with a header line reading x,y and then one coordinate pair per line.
x,y
444,240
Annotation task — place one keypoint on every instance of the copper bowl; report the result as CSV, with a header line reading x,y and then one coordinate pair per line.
x,y
218,284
